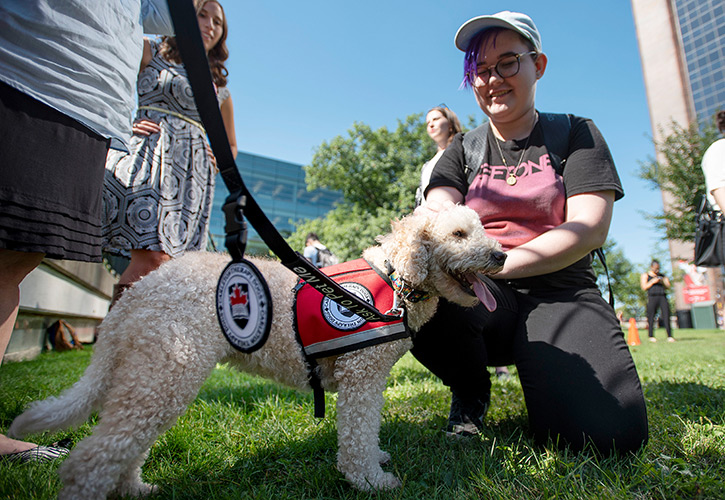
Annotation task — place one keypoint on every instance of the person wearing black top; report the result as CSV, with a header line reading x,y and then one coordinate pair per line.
x,y
656,284
579,381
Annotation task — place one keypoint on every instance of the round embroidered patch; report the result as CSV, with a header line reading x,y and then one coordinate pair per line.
x,y
244,306
341,318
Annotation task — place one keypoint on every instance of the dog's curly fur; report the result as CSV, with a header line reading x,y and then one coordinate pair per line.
x,y
149,364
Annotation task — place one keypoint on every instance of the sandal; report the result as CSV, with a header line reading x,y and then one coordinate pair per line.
x,y
37,454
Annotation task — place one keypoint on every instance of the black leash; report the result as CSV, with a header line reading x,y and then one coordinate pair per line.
x,y
240,203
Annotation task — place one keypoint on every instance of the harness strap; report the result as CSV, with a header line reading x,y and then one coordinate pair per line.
x,y
240,202
599,252
555,128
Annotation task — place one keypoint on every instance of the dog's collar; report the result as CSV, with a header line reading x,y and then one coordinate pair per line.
x,y
403,288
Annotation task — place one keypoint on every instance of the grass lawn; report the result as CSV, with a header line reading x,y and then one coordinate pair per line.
x,y
247,438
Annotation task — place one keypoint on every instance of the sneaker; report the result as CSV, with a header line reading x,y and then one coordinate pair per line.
x,y
652,339
502,373
466,417
670,339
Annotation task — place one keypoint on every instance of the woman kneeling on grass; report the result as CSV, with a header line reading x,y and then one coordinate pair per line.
x,y
578,377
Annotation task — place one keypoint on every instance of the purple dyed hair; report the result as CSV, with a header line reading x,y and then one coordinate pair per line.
x,y
470,59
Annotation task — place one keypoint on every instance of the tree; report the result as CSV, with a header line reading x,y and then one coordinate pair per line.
x,y
679,174
628,295
377,172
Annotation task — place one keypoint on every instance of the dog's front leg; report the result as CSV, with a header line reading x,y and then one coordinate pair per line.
x,y
361,378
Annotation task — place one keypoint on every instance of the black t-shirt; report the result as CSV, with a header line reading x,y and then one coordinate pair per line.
x,y
658,289
536,203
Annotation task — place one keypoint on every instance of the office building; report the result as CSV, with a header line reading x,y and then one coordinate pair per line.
x,y
682,48
280,190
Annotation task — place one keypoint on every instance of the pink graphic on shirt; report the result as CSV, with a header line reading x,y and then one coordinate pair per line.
x,y
516,214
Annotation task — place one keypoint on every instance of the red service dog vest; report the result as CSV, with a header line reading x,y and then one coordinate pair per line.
x,y
326,328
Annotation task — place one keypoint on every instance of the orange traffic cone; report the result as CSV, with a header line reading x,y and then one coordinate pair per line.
x,y
633,337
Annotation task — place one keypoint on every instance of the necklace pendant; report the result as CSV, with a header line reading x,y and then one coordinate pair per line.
x,y
511,179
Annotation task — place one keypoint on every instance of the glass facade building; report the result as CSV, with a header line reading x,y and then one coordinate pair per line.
x,y
701,25
682,49
280,190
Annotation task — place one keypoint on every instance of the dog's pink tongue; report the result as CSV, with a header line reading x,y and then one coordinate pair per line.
x,y
482,292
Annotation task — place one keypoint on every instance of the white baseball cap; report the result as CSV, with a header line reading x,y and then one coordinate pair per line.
x,y
520,23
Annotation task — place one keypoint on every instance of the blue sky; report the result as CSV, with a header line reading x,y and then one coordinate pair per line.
x,y
303,72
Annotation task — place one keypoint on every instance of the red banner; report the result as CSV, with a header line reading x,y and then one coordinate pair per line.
x,y
695,289
696,294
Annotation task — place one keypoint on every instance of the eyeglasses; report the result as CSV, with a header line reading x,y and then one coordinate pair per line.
x,y
505,68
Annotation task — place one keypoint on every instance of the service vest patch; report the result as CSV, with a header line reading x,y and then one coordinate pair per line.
x,y
326,328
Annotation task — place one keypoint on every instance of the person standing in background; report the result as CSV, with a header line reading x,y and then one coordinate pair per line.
x,y
442,125
67,73
158,197
317,253
656,284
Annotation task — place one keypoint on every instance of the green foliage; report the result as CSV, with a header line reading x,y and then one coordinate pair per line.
x,y
679,174
373,169
377,172
628,295
247,438
346,230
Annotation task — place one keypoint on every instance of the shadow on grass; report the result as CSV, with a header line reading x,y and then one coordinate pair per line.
x,y
247,397
422,457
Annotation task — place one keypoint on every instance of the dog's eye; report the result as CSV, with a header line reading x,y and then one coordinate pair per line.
x,y
459,233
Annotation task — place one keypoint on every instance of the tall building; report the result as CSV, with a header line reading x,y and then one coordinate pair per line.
x,y
280,190
701,25
682,48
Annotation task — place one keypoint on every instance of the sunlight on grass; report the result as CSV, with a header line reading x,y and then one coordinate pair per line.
x,y
246,437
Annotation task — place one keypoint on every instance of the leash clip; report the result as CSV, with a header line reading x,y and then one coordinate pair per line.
x,y
235,226
397,309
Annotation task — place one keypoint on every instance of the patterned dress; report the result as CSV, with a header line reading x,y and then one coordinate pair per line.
x,y
159,195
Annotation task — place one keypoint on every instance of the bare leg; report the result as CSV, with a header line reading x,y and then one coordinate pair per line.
x,y
14,267
142,263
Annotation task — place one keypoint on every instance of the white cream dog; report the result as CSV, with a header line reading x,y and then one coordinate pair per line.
x,y
162,339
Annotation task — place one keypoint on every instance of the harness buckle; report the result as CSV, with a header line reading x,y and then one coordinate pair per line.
x,y
236,225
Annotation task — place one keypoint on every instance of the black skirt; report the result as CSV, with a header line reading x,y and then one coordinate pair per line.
x,y
51,180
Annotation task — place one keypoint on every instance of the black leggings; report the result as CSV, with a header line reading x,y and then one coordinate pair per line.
x,y
655,302
578,377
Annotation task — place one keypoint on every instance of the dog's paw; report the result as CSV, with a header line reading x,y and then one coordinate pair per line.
x,y
385,481
383,457
137,489
378,481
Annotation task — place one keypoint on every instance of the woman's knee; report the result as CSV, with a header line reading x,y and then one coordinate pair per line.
x,y
15,266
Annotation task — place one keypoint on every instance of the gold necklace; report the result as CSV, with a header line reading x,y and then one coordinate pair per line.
x,y
511,179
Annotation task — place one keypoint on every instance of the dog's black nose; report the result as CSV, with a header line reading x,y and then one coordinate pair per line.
x,y
498,257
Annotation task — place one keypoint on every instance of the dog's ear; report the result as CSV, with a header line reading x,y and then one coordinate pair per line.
x,y
406,247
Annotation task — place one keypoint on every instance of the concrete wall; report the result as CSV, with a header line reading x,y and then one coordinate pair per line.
x,y
78,292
